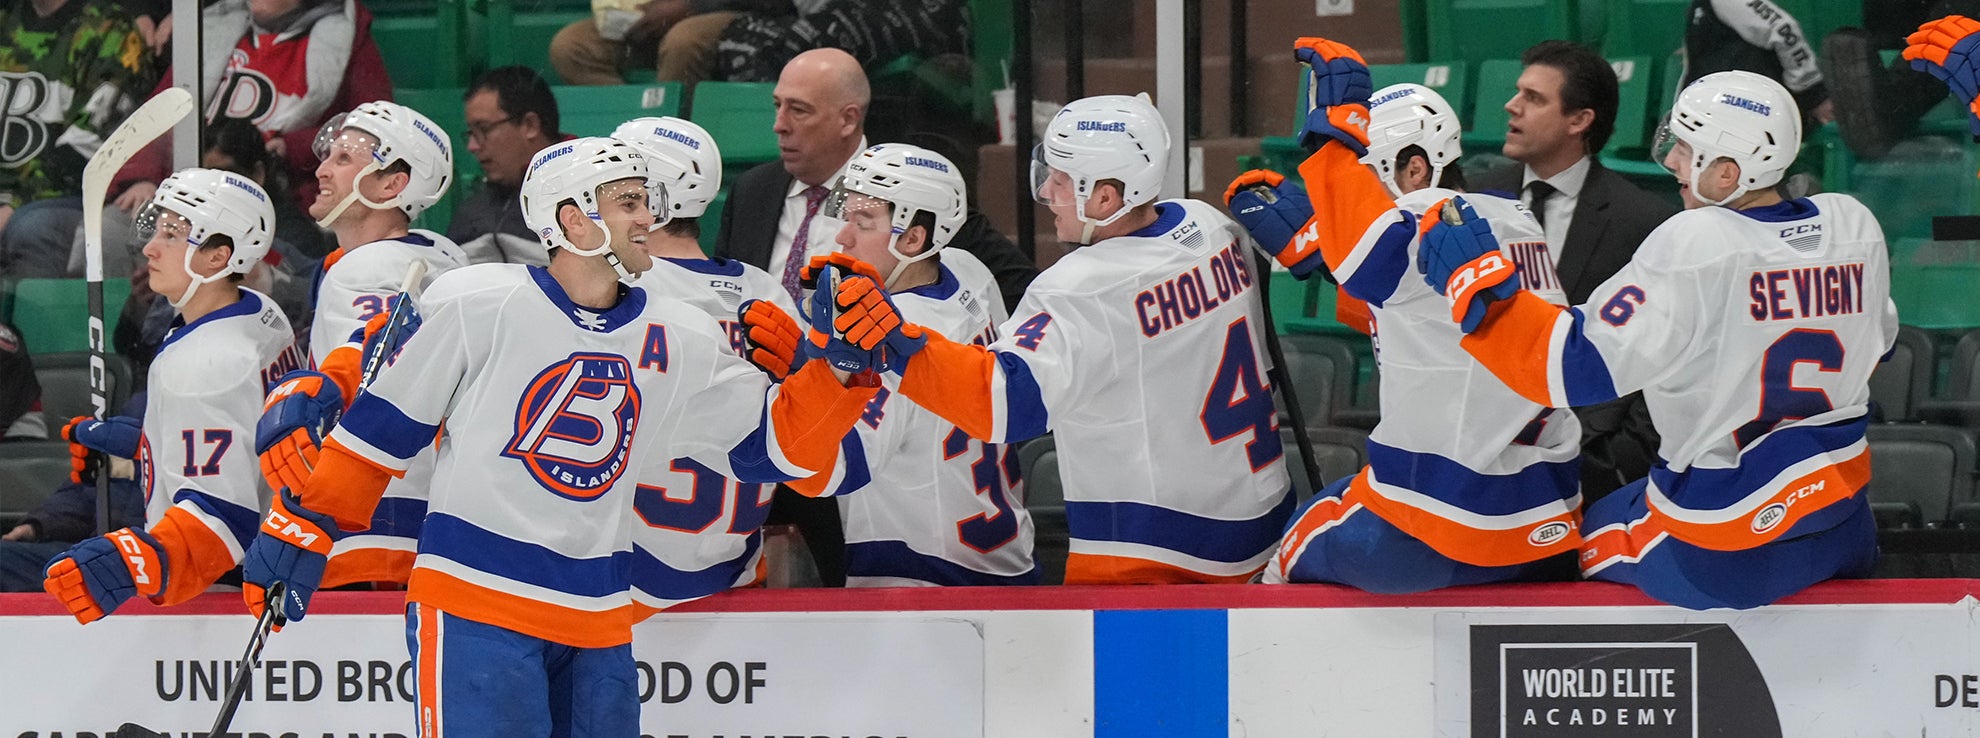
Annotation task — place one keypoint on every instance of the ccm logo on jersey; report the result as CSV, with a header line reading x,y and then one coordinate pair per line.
x,y
1772,515
575,423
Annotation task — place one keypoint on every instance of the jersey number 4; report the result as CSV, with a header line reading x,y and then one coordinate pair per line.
x,y
1239,401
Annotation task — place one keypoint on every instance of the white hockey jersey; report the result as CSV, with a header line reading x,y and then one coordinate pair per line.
x,y
352,287
547,406
699,532
196,460
1459,461
1144,355
923,504
1752,335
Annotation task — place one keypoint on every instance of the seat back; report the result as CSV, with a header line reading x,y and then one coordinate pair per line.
x,y
740,115
65,391
1928,466
29,472
53,314
1476,30
591,110
1903,380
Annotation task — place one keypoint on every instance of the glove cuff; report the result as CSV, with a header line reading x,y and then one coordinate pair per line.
x,y
299,526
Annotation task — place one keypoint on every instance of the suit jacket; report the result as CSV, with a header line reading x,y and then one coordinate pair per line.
x,y
749,229
1612,216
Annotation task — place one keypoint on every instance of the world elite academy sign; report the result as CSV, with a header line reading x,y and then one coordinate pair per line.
x,y
1677,680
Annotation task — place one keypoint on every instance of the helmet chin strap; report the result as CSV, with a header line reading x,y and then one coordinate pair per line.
x,y
355,196
196,281
1698,172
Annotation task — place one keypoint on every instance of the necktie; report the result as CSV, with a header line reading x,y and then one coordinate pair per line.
x,y
813,197
1539,191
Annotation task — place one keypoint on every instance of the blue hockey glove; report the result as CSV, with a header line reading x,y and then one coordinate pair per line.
x,y
292,548
1460,258
869,320
297,416
1337,91
1279,217
96,576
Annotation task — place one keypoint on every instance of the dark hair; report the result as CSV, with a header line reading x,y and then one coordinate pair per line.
x,y
238,140
1452,178
683,228
519,90
1588,83
926,220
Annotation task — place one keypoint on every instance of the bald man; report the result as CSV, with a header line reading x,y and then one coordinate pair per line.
x,y
773,221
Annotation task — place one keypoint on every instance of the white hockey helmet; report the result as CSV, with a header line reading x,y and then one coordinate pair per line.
x,y
1741,116
402,134
572,172
684,167
1407,115
213,203
1092,139
911,179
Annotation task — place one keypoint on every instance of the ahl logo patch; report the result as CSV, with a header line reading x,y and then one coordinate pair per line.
x,y
574,426
1550,533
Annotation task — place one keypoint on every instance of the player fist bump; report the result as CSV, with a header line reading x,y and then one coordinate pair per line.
x,y
868,319
1337,91
1949,49
1279,217
297,415
291,548
94,577
844,262
771,337
1460,258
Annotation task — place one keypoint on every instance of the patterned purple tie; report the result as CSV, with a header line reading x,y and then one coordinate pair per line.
x,y
813,197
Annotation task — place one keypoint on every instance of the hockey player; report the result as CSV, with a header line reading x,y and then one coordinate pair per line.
x,y
208,230
1466,482
383,164
1752,324
1140,351
552,383
698,532
923,503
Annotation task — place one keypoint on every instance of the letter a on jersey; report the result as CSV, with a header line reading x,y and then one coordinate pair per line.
x,y
574,425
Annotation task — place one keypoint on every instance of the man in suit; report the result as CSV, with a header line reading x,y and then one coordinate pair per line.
x,y
821,102
773,220
1561,116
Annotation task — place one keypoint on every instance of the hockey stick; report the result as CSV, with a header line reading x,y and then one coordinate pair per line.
x,y
271,618
1277,375
381,350
148,122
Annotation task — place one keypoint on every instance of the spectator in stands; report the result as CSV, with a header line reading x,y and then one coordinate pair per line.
x,y
285,65
772,221
1755,36
756,46
511,115
1561,116
68,516
85,60
679,36
20,390
1876,105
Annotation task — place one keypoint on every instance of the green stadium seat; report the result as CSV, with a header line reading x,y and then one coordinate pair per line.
x,y
1636,77
740,115
445,107
1651,28
65,391
53,314
425,49
1478,30
596,110
1934,283
1921,178
521,35
1498,79
1415,30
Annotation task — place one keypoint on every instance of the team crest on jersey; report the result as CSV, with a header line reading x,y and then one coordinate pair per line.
x,y
574,425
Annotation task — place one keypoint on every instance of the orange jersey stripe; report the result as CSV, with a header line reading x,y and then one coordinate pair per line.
x,y
1476,546
368,565
1618,542
1777,514
196,555
346,486
1321,516
1096,569
580,628
1514,344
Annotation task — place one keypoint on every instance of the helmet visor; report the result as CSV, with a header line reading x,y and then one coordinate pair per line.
x,y
1664,144
154,219
1047,182
334,137
657,201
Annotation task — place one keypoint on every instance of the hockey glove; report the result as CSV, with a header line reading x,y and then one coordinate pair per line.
x,y
298,415
869,320
772,338
1337,90
385,334
94,577
820,338
808,276
292,548
115,436
1460,258
1949,49
1279,217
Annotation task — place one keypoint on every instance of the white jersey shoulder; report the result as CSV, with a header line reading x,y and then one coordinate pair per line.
x,y
360,283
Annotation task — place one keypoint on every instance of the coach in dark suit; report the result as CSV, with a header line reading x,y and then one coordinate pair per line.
x,y
1561,116
821,118
772,221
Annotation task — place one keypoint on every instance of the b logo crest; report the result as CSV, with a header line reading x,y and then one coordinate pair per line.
x,y
574,426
